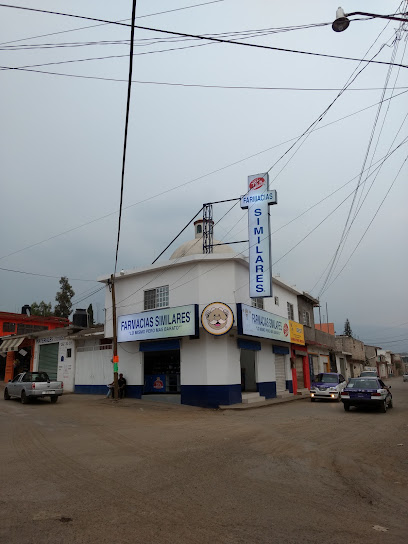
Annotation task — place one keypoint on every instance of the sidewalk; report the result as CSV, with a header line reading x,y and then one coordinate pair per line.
x,y
268,402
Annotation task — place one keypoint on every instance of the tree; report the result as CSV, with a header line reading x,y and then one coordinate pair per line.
x,y
347,329
91,316
63,298
41,308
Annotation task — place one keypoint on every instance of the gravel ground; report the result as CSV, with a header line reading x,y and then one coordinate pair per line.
x,y
89,470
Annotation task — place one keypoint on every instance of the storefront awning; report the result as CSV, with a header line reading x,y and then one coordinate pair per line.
x,y
10,344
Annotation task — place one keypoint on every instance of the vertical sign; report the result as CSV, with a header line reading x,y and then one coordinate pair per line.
x,y
257,201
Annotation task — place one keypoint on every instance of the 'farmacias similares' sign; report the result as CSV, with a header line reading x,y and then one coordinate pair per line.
x,y
257,200
154,324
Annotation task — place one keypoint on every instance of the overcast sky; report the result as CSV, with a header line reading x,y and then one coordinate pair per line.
x,y
62,137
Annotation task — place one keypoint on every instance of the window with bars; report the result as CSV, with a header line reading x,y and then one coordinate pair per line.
x,y
156,298
306,318
9,327
258,303
291,314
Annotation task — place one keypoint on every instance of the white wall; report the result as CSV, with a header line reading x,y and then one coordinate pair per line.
x,y
94,365
265,364
210,360
66,367
199,280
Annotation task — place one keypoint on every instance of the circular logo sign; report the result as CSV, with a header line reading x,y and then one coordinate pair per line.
x,y
217,318
256,183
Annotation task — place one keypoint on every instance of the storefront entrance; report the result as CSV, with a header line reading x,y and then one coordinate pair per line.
x,y
48,360
162,372
247,360
299,372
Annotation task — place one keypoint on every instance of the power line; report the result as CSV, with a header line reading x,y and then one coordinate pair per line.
x,y
88,296
369,225
197,85
107,23
42,275
165,269
187,182
132,35
346,232
203,37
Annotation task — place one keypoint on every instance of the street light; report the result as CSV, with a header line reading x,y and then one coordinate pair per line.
x,y
342,19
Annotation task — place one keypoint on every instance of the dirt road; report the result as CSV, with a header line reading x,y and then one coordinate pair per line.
x,y
88,471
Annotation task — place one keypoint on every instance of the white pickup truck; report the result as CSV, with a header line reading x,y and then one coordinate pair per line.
x,y
28,385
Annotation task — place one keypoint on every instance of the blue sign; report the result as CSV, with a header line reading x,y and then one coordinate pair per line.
x,y
163,323
257,200
155,383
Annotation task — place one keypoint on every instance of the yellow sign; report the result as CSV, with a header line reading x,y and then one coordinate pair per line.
x,y
297,336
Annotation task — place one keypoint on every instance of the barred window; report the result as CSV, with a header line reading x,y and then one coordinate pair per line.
x,y
291,313
156,298
258,303
306,318
9,327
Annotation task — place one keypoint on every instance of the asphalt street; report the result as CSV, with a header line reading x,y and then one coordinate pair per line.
x,y
89,470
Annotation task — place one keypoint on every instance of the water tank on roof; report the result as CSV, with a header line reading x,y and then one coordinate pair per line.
x,y
80,318
26,309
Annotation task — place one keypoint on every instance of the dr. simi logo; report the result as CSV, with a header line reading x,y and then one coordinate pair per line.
x,y
217,318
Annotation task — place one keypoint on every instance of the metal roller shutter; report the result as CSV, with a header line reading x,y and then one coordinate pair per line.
x,y
316,365
280,372
49,360
299,373
326,363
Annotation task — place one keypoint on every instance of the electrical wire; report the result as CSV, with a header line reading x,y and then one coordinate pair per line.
x,y
346,232
107,23
132,34
193,85
88,296
204,37
186,183
41,275
166,268
366,230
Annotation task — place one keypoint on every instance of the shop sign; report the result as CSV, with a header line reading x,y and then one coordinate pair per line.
x,y
255,322
217,318
257,200
297,335
163,323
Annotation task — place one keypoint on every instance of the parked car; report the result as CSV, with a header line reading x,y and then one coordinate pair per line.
x,y
369,374
405,377
28,385
367,392
327,385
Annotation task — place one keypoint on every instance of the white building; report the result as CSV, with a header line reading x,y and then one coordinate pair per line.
x,y
188,326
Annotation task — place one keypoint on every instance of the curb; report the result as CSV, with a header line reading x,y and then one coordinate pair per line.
x,y
264,403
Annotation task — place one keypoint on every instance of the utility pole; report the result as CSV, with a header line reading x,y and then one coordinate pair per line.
x,y
115,359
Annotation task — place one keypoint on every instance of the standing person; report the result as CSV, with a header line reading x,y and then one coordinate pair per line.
x,y
110,390
122,386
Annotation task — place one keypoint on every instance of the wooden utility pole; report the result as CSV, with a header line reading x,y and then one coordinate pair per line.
x,y
115,358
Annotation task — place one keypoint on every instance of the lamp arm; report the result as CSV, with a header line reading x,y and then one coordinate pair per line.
x,y
376,15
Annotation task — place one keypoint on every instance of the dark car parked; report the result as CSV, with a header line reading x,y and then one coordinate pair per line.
x,y
367,392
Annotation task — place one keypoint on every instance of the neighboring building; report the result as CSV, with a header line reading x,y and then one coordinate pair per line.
x,y
188,326
352,352
397,364
384,363
371,358
17,348
319,343
326,327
